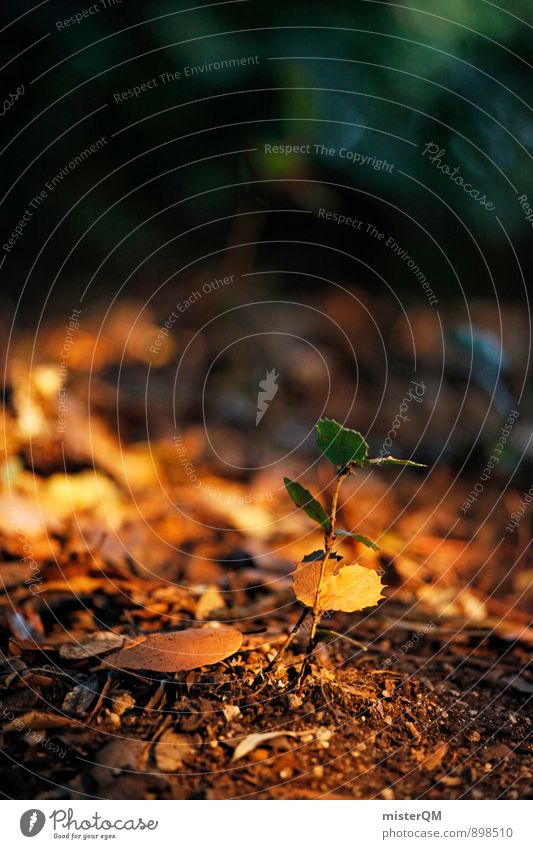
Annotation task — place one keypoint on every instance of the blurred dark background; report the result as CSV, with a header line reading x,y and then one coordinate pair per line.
x,y
180,192
384,78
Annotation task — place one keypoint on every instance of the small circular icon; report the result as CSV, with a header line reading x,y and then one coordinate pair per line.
x,y
32,822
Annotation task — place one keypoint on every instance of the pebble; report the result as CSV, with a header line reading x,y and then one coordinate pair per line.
x,y
474,737
323,737
499,751
230,712
259,755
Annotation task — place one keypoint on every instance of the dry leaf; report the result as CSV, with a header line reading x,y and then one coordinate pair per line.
x,y
177,650
78,699
170,751
212,599
254,740
346,588
122,702
435,758
99,643
36,720
13,575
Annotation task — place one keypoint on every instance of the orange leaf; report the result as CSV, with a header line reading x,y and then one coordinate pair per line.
x,y
434,759
177,650
346,588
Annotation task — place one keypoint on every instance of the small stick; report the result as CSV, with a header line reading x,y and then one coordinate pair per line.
x,y
274,662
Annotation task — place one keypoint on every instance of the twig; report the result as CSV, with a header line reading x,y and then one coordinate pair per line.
x,y
274,662
101,696
328,632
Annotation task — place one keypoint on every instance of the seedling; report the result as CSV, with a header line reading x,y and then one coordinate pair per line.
x,y
320,581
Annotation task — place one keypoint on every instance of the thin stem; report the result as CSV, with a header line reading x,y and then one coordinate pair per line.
x,y
274,662
329,541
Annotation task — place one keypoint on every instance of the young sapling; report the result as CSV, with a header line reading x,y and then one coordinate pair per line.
x,y
320,582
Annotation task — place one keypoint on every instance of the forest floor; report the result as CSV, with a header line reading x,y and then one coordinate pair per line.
x,y
106,538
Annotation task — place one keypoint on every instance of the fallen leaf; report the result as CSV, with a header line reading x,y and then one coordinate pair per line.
x,y
122,702
435,758
13,575
212,599
36,720
78,699
178,650
99,643
346,588
254,740
20,700
453,602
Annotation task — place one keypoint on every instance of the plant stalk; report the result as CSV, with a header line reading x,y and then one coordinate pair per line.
x,y
329,542
274,662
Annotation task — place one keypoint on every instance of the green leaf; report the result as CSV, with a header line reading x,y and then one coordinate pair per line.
x,y
303,498
319,555
359,537
392,461
341,445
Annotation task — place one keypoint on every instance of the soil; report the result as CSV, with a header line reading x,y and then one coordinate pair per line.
x,y
448,722
107,536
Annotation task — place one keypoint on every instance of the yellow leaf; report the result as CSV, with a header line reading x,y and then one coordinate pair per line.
x,y
346,588
212,599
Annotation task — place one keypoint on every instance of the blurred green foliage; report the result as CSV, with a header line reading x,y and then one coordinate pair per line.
x,y
380,78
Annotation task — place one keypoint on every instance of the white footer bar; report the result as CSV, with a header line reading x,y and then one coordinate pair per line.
x,y
269,825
